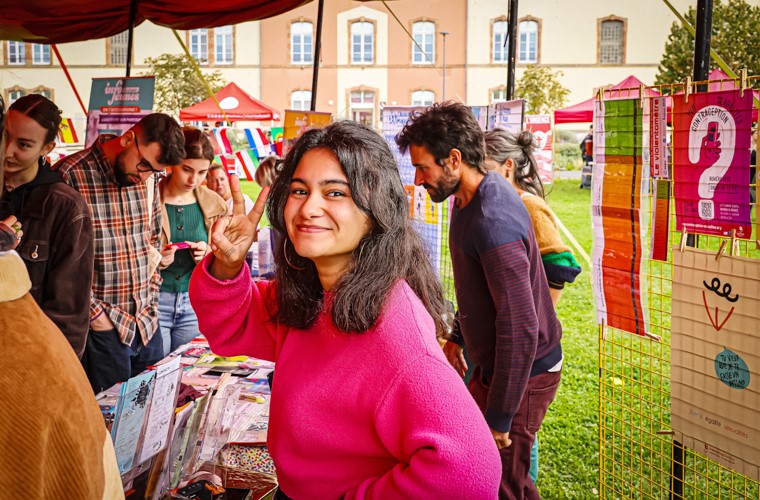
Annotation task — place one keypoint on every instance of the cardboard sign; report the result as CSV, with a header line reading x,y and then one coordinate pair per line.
x,y
715,357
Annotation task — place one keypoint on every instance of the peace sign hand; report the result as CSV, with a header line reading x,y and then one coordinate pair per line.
x,y
232,236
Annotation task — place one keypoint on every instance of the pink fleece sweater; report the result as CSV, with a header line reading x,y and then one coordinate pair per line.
x,y
376,415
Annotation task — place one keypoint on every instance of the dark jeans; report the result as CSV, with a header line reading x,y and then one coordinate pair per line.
x,y
107,361
515,460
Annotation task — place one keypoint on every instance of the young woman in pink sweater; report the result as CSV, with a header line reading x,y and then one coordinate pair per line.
x,y
364,403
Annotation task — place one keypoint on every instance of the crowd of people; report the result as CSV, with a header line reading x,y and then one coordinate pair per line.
x,y
126,265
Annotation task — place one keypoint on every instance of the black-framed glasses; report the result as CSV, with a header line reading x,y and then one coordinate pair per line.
x,y
144,165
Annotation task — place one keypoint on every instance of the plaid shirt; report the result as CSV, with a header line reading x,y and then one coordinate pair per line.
x,y
123,231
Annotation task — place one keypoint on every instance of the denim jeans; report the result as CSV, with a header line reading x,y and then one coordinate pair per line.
x,y
107,361
179,324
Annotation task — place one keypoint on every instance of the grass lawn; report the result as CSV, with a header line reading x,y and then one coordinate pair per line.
x,y
569,437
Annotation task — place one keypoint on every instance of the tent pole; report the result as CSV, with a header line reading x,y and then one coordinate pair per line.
x,y
68,77
511,49
132,15
317,55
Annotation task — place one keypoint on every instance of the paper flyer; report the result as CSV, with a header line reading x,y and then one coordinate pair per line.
x,y
135,399
161,408
506,115
116,104
711,140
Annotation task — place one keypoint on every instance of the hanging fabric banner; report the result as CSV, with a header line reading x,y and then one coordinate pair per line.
x,y
715,357
619,181
711,141
658,145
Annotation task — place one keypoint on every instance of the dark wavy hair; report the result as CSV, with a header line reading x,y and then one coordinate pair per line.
x,y
390,251
42,110
163,129
502,145
197,145
443,127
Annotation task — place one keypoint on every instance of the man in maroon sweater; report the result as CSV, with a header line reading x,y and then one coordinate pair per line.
x,y
505,310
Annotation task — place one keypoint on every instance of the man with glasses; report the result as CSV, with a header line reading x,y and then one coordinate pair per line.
x,y
111,176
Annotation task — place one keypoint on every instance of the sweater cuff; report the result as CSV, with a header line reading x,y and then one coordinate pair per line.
x,y
205,266
499,422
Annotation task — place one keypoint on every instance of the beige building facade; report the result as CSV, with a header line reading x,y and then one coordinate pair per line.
x,y
368,57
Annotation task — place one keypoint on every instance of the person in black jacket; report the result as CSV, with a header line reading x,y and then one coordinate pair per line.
x,y
57,246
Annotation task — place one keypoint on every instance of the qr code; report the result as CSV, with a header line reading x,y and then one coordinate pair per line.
x,y
706,210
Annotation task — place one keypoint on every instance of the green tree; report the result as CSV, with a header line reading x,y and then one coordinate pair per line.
x,y
541,89
735,38
177,84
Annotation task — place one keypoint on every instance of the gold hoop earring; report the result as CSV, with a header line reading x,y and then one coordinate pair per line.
x,y
285,254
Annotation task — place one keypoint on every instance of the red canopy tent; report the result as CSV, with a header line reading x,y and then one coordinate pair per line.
x,y
236,103
584,112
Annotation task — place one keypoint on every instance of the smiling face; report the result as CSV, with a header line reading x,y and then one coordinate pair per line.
x,y
322,220
24,143
218,181
189,174
439,181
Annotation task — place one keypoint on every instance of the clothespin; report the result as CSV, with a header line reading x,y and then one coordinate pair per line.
x,y
603,326
687,89
721,249
666,432
642,90
683,240
742,81
732,250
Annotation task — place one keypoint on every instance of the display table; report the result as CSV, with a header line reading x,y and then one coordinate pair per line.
x,y
193,412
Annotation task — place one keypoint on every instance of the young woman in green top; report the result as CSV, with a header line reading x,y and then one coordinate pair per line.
x,y
188,211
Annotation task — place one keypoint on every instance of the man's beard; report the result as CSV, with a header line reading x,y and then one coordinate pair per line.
x,y
122,179
447,185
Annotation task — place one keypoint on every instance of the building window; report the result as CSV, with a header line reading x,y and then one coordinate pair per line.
x,y
223,42
424,34
40,53
423,98
611,41
199,45
528,42
301,42
118,49
362,107
16,53
362,42
498,95
15,94
300,100
500,49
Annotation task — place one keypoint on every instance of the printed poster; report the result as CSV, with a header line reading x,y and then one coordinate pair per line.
x,y
507,115
298,122
658,143
619,182
481,115
715,357
541,126
427,217
116,104
711,141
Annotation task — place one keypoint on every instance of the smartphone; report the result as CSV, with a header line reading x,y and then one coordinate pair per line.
x,y
179,246
712,131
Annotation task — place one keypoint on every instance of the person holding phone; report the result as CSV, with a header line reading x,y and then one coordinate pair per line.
x,y
187,212
364,403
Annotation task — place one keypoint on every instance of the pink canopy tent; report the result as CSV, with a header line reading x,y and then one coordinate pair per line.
x,y
236,103
584,112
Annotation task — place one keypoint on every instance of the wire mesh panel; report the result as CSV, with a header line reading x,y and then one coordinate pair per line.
x,y
638,454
